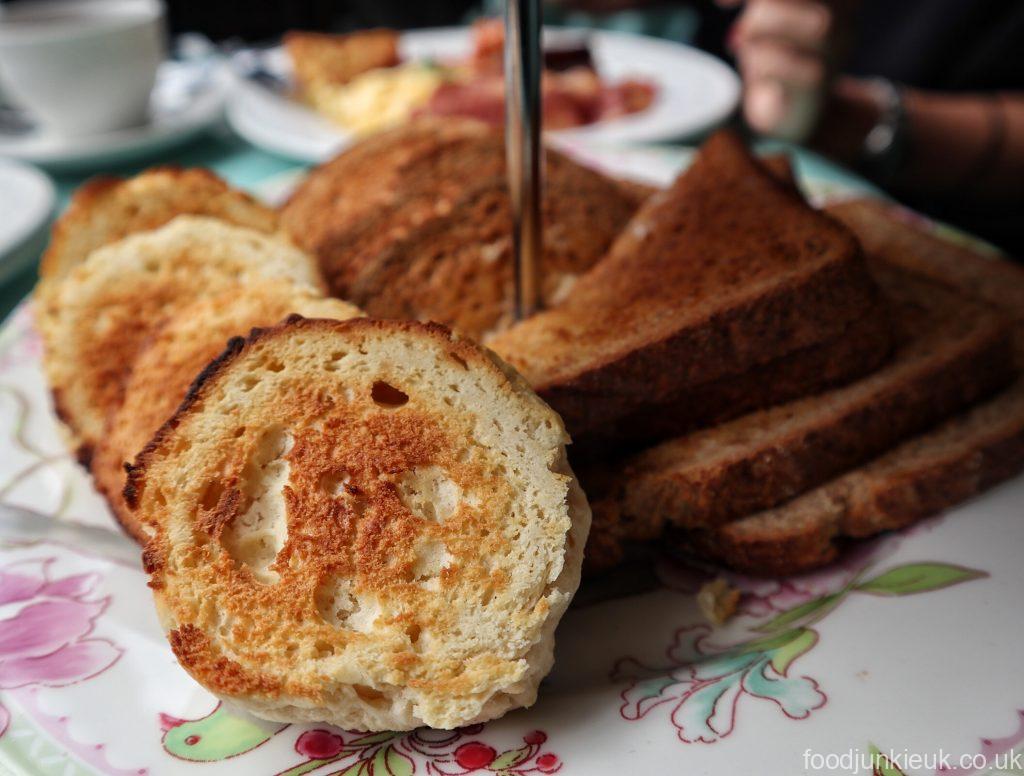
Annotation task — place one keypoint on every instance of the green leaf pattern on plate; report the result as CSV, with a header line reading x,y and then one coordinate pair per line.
x,y
918,578
704,692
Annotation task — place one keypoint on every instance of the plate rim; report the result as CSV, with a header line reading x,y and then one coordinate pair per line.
x,y
20,250
244,92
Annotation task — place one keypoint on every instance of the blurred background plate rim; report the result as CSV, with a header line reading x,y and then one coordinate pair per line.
x,y
28,209
283,126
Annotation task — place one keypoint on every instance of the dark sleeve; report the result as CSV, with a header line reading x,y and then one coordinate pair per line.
x,y
957,45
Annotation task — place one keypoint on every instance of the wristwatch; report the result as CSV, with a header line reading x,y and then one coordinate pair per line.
x,y
885,146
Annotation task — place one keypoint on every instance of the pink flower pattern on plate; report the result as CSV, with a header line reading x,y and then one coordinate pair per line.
x,y
45,641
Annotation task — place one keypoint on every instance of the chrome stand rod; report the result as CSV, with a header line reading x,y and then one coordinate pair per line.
x,y
523,146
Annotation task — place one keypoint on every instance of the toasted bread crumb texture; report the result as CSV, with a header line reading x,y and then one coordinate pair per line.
x,y
952,353
336,196
108,305
917,479
107,209
367,523
172,358
726,270
416,223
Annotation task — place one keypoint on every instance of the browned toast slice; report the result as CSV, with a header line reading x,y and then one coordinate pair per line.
x,y
367,523
779,165
364,181
106,209
918,479
724,272
950,354
429,189
924,475
882,231
457,269
395,244
319,57
858,350
108,305
636,191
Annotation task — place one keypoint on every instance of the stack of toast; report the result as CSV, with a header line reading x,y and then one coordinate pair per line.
x,y
724,293
778,491
416,223
745,377
142,284
732,357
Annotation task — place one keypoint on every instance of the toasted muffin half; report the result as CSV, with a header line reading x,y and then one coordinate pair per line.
x,y
367,523
175,355
107,209
109,304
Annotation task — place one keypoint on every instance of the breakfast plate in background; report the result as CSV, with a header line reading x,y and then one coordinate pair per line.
x,y
693,92
907,645
26,201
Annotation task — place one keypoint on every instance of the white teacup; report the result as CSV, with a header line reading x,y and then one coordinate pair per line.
x,y
82,66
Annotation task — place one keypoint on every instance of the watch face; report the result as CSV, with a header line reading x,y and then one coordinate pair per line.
x,y
882,153
879,139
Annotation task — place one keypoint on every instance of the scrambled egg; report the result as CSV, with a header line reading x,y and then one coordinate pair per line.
x,y
377,99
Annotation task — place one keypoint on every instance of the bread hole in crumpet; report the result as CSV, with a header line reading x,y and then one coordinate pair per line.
x,y
335,602
334,483
413,631
331,365
340,605
386,395
432,557
367,693
338,485
211,495
323,648
254,537
486,595
429,493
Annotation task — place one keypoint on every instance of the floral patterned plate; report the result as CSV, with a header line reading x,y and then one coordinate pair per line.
x,y
905,657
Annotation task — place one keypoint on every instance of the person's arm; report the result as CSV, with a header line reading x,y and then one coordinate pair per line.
x,y
955,144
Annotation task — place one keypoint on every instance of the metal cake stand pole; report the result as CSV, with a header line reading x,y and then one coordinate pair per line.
x,y
522,146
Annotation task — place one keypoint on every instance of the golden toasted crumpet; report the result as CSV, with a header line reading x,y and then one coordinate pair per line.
x,y
366,523
108,208
107,306
172,359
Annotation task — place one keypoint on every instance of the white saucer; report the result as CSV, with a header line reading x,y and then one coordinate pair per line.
x,y
26,200
187,98
695,92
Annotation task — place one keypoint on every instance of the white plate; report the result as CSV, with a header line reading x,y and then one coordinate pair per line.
x,y
911,643
695,92
26,204
187,99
